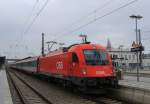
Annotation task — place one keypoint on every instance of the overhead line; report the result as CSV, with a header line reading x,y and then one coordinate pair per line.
x,y
34,19
98,18
87,15
29,16
26,21
146,31
145,39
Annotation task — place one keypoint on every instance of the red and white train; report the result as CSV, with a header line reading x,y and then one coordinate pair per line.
x,y
83,65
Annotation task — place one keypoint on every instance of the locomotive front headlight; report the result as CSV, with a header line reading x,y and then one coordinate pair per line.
x,y
83,71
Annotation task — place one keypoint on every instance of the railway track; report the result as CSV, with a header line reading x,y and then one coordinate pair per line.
x,y
105,100
30,90
26,93
16,98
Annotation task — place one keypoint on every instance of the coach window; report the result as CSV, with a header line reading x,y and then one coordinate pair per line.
x,y
75,57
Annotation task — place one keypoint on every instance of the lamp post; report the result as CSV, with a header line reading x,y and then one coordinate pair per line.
x,y
137,17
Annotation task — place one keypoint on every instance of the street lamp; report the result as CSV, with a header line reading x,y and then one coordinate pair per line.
x,y
136,17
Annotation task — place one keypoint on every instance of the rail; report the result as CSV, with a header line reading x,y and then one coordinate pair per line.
x,y
23,89
57,94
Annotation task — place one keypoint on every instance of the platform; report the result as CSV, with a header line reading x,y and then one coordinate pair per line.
x,y
140,71
131,81
5,96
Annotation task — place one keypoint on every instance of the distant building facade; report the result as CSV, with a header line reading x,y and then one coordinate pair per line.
x,y
122,57
125,59
146,61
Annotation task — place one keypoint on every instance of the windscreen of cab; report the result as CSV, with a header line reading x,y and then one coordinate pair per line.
x,y
95,57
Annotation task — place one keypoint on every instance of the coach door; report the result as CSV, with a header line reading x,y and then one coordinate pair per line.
x,y
38,65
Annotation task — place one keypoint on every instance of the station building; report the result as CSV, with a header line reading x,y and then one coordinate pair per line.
x,y
146,61
124,59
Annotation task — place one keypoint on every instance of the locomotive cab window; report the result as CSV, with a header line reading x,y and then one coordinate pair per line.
x,y
95,57
75,58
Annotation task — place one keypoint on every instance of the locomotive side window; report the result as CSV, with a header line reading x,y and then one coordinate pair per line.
x,y
75,58
95,57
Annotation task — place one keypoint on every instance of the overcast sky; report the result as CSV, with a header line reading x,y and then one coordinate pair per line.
x,y
60,17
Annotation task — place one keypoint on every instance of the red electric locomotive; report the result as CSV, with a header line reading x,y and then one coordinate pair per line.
x,y
80,64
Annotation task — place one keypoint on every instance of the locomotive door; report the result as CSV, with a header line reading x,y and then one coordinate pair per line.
x,y
74,64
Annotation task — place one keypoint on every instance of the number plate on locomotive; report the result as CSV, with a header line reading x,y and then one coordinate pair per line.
x,y
100,72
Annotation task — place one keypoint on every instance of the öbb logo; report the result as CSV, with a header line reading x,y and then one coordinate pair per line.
x,y
59,65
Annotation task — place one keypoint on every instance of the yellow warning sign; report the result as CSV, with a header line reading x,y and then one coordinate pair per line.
x,y
135,45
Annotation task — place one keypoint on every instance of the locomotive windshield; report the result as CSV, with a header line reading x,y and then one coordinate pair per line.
x,y
95,57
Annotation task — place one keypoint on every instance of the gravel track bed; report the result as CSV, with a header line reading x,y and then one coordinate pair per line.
x,y
15,96
28,95
53,93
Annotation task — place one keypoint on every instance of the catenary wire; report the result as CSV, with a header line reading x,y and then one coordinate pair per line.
x,y
36,16
29,16
98,18
146,31
87,15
